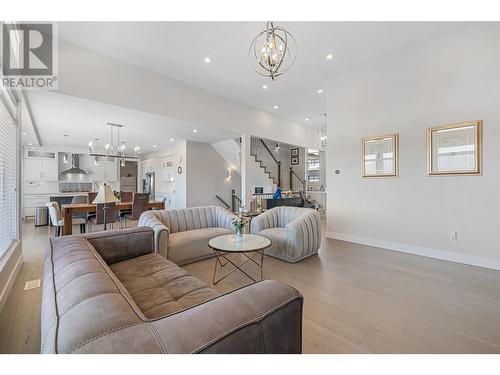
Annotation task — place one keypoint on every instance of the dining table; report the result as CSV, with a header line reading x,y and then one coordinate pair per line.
x,y
69,209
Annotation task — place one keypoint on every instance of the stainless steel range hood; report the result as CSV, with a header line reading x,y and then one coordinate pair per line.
x,y
75,166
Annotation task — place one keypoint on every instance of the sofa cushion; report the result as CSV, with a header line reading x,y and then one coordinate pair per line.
x,y
159,287
278,238
190,246
83,299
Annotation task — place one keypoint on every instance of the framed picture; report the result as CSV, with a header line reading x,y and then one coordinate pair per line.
x,y
454,149
379,156
294,152
294,160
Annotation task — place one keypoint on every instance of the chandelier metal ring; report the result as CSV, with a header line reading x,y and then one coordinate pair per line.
x,y
273,51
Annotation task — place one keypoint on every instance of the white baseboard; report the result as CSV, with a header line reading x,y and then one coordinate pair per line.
x,y
4,293
418,250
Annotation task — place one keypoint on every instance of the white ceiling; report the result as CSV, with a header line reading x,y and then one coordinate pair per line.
x,y
84,120
178,49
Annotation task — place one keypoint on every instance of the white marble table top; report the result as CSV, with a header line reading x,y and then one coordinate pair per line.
x,y
234,243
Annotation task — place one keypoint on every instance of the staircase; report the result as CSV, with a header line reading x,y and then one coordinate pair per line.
x,y
230,150
263,156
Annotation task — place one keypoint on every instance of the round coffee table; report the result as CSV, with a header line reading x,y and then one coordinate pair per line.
x,y
230,246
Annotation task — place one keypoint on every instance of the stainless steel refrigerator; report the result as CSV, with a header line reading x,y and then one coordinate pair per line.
x,y
148,185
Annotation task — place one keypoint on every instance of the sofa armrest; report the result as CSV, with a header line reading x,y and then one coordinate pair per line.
x,y
263,221
265,317
122,244
161,232
225,218
303,234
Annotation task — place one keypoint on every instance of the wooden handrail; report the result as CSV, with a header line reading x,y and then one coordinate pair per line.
x,y
222,201
267,148
293,173
276,160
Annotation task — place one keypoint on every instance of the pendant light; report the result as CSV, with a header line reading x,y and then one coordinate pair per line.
x,y
65,157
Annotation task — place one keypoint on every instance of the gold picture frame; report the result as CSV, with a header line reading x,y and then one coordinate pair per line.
x,y
455,149
380,156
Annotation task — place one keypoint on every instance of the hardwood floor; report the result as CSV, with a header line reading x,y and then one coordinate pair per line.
x,y
357,299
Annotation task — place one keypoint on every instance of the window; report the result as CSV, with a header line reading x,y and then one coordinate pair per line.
x,y
313,163
8,160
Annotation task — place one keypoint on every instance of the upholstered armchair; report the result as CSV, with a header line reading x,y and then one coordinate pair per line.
x,y
295,232
182,235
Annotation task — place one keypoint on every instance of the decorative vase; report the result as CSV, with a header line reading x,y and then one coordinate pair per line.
x,y
239,232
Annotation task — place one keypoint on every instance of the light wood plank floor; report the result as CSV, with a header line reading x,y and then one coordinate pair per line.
x,y
358,299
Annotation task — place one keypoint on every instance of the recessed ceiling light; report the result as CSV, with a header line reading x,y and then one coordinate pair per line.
x,y
23,133
171,139
275,107
30,144
306,119
195,130
329,56
154,146
320,91
264,87
207,60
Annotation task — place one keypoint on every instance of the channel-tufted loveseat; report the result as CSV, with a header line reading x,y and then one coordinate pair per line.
x,y
295,232
182,235
110,292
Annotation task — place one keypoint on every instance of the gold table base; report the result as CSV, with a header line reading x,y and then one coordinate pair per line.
x,y
223,258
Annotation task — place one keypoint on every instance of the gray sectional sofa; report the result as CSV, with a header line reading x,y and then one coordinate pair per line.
x,y
112,292
182,235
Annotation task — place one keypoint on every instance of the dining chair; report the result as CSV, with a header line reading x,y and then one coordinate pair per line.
x,y
126,196
139,205
57,220
99,215
90,198
80,199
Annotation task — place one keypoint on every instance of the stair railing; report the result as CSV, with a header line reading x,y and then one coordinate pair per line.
x,y
296,181
235,201
222,201
267,160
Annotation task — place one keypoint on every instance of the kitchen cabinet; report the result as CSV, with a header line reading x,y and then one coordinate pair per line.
x,y
40,169
106,171
170,200
167,170
32,201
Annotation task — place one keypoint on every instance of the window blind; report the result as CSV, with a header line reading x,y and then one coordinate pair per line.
x,y
8,160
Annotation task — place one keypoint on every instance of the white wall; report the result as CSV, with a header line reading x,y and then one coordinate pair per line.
x,y
87,74
230,151
446,80
206,176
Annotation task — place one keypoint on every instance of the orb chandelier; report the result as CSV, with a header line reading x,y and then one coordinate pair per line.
x,y
273,51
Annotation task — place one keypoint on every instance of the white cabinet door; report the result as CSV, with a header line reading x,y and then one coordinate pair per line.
x,y
111,171
49,170
32,201
106,171
98,172
170,202
32,169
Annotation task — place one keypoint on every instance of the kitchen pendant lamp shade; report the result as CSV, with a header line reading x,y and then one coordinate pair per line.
x,y
105,195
